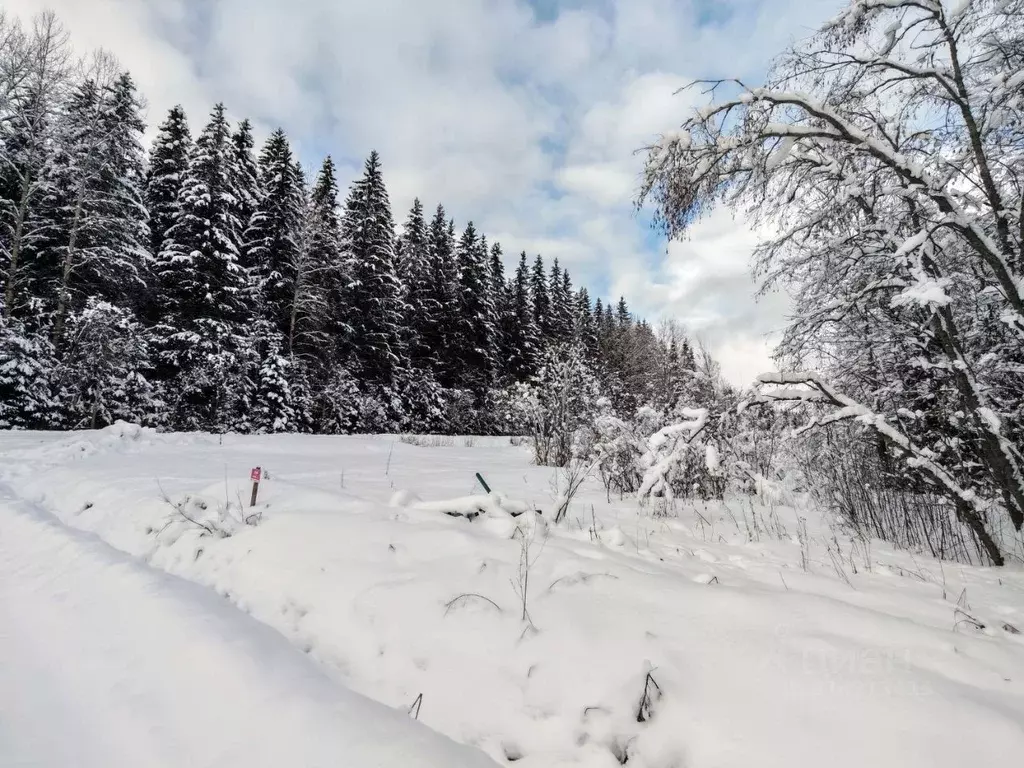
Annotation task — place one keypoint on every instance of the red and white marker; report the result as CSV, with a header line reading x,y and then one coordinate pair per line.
x,y
255,475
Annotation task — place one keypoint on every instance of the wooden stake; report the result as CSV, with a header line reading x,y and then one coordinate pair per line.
x,y
255,477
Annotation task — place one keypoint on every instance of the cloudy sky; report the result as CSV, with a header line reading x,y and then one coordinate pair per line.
x,y
522,115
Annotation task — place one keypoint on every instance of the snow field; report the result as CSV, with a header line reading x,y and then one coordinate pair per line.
x,y
105,661
862,657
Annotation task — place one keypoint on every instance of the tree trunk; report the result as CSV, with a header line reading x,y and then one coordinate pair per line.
x,y
16,246
67,269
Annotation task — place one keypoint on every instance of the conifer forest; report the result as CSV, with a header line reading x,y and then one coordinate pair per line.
x,y
210,282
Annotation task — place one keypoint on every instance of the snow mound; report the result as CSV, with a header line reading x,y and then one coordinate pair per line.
x,y
473,506
119,437
131,666
403,498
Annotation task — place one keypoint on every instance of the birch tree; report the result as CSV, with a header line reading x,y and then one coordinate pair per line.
x,y
884,156
35,66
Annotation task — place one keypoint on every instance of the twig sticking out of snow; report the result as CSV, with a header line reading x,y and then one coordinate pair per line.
x,y
579,578
466,596
521,583
414,710
652,693
574,473
179,507
960,616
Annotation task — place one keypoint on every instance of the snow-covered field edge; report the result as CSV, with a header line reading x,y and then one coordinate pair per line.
x,y
733,634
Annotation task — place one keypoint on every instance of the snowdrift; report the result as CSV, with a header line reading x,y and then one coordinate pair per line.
x,y
732,634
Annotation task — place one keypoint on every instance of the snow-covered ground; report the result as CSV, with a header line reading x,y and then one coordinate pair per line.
x,y
769,640
107,662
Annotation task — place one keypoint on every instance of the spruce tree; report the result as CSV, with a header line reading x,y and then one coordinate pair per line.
x,y
560,315
245,172
369,239
273,410
272,238
28,366
622,317
204,287
421,306
326,330
686,359
521,340
567,303
501,315
440,335
585,331
168,163
476,331
541,301
199,266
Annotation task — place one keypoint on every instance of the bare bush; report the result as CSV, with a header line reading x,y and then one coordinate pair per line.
x,y
847,475
573,475
558,406
427,441
528,554
220,520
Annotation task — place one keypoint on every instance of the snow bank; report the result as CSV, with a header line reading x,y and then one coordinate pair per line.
x,y
106,662
767,650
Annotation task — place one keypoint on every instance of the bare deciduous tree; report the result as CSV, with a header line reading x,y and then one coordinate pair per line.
x,y
886,154
35,68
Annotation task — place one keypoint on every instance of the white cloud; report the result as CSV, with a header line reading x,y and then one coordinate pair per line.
x,y
527,126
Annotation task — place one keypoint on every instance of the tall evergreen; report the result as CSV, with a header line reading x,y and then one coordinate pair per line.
x,y
560,314
521,339
622,317
369,239
476,330
440,336
245,172
608,323
421,306
501,314
320,312
272,238
204,288
200,268
585,330
168,163
567,304
541,300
